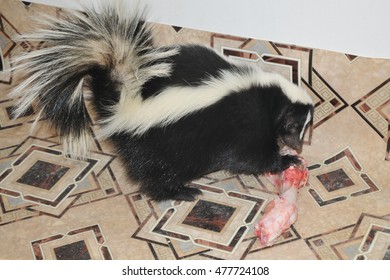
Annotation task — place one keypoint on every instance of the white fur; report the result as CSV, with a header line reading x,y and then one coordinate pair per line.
x,y
131,113
77,147
104,44
137,116
308,118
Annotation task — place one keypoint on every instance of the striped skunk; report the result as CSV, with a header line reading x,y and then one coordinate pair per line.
x,y
172,113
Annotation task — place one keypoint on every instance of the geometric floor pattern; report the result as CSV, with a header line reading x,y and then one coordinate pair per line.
x,y
80,244
53,207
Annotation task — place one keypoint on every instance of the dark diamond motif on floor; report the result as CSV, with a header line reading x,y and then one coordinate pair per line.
x,y
26,3
43,175
335,180
1,62
177,28
387,255
209,215
351,57
318,242
73,251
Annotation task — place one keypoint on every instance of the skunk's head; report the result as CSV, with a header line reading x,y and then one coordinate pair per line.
x,y
293,121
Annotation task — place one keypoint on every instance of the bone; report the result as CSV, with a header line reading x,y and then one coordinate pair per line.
x,y
282,211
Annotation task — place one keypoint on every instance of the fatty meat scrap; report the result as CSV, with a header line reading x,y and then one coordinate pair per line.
x,y
282,212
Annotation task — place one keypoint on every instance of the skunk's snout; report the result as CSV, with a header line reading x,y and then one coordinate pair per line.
x,y
298,147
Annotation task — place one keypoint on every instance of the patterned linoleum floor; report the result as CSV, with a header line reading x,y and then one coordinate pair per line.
x,y
57,208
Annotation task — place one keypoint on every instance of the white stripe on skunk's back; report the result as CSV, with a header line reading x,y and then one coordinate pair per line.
x,y
135,115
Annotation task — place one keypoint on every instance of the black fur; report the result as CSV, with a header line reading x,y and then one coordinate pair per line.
x,y
241,133
192,65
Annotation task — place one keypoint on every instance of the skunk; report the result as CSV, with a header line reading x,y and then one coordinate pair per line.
x,y
172,113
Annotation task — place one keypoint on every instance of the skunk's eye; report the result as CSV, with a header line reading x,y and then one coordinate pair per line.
x,y
292,127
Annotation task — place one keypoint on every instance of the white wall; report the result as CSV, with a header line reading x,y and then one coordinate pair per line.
x,y
360,27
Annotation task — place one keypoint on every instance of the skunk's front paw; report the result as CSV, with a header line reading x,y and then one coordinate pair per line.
x,y
284,162
290,160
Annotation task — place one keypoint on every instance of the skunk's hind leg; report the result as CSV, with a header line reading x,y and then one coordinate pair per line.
x,y
159,178
182,192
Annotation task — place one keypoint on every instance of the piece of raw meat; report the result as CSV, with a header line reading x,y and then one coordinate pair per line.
x,y
282,212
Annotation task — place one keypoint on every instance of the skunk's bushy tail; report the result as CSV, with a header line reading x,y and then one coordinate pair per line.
x,y
110,37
